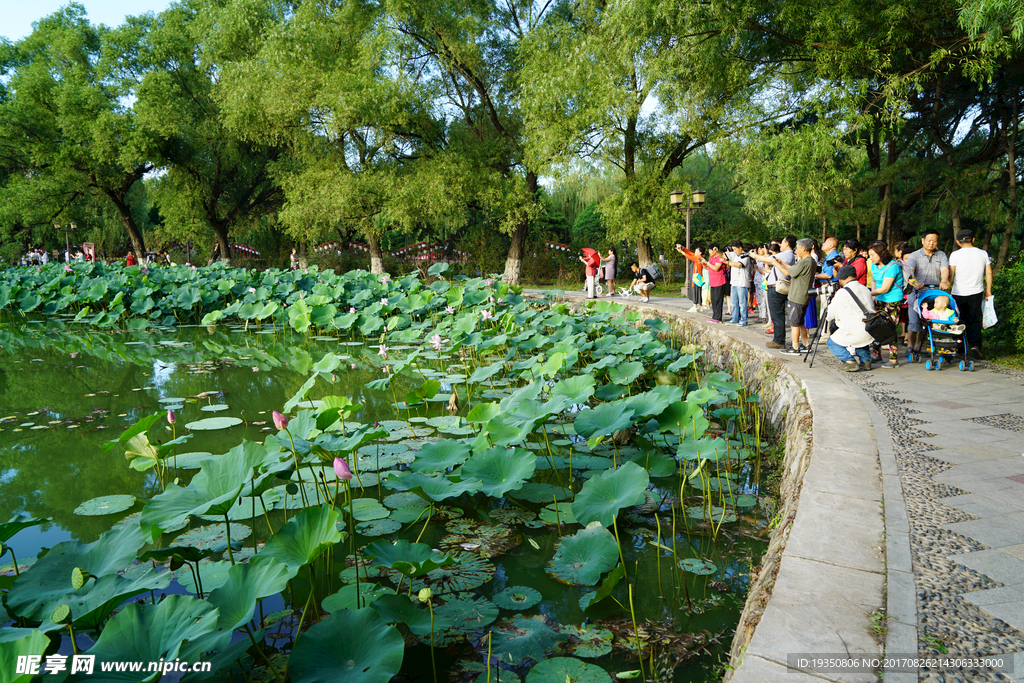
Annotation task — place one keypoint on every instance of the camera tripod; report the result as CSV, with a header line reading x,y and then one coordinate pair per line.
x,y
826,292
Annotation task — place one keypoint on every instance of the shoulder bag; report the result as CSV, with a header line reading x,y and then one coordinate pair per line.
x,y
877,324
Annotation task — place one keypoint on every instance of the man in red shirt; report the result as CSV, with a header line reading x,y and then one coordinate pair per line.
x,y
592,260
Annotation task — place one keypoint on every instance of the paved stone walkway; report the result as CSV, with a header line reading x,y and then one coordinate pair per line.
x,y
954,507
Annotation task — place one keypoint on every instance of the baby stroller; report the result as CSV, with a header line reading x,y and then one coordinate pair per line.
x,y
943,342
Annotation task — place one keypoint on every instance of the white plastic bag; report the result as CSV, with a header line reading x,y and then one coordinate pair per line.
x,y
988,313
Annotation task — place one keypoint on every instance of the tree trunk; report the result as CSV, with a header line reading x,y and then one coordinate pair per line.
x,y
1011,168
514,262
956,220
134,234
376,255
644,252
222,248
883,215
303,264
858,232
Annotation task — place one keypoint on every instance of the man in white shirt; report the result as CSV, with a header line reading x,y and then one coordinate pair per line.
x,y
850,333
971,273
739,280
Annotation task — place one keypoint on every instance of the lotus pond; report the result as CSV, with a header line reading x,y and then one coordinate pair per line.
x,y
535,493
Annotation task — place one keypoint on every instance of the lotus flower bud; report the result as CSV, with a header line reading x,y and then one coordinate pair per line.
x,y
170,417
341,469
280,421
425,594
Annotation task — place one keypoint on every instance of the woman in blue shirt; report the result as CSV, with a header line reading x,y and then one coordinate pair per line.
x,y
887,276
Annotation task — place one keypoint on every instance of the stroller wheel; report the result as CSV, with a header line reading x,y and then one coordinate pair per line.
x,y
970,366
927,365
910,356
961,366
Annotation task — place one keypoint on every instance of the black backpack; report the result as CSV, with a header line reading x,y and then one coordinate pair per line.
x,y
653,272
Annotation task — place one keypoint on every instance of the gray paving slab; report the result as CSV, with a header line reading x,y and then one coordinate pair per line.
x,y
945,441
1014,520
818,608
840,530
990,533
972,484
1010,612
844,473
955,456
1012,498
760,670
994,596
980,504
999,468
951,427
897,556
994,564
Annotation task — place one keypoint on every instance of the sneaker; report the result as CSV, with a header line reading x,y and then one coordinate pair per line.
x,y
891,365
790,351
803,349
646,301
773,345
693,309
976,352
865,365
851,366
741,324
712,320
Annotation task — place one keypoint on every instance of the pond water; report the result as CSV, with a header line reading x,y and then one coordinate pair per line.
x,y
65,391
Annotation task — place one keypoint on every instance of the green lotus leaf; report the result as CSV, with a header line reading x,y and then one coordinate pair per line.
x,y
606,418
540,493
657,463
213,536
16,643
302,538
517,598
470,616
589,642
404,499
562,669
216,408
483,412
706,396
436,488
524,637
647,404
212,423
39,590
411,559
18,522
582,558
352,646
697,566
189,461
607,586
366,509
575,390
378,527
247,583
151,633
104,505
626,373
684,419
345,597
440,455
501,470
411,612
712,449
745,501
608,492
558,514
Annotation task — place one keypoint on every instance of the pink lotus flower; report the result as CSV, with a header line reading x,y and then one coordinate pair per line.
x,y
255,368
501,301
302,295
351,309
305,270
67,268
491,299
353,366
436,341
449,310
170,417
383,352
252,290
486,315
384,301
342,469
488,282
280,421
385,278
73,354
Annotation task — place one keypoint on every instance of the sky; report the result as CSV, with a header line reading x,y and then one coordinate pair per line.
x,y
16,16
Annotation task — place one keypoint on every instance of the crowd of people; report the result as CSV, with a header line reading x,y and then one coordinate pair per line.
x,y
790,283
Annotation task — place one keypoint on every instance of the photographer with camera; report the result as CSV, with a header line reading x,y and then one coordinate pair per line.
x,y
800,275
739,279
833,260
846,321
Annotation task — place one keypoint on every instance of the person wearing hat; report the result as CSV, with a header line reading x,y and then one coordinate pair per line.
x,y
971,273
850,342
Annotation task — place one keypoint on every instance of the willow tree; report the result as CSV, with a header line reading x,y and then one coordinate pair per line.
x,y
67,131
213,179
644,88
471,59
361,137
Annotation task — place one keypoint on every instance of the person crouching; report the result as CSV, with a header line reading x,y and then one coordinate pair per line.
x,y
850,332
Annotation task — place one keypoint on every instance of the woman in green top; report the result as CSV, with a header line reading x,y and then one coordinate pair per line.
x,y
887,276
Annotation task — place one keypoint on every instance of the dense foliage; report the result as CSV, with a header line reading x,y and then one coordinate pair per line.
x,y
276,123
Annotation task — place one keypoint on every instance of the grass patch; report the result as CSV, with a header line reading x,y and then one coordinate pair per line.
x,y
1010,360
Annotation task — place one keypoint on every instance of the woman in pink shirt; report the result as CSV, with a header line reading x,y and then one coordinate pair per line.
x,y
718,281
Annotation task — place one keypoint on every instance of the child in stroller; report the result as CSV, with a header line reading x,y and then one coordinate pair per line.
x,y
945,333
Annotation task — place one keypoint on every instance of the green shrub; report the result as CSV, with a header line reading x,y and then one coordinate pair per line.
x,y
1008,288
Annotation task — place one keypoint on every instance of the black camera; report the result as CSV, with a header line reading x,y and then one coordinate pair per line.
x,y
837,259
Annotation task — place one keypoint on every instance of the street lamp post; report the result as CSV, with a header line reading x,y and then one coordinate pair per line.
x,y
67,242
694,201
